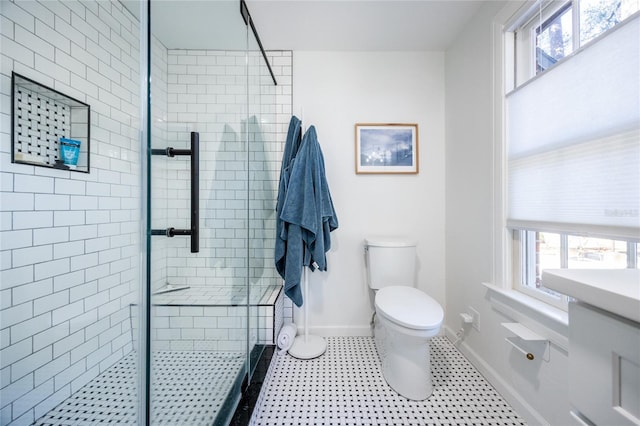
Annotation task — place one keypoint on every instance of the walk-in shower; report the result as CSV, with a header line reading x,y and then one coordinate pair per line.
x,y
137,287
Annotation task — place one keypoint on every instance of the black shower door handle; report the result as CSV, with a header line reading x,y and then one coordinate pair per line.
x,y
194,231
195,192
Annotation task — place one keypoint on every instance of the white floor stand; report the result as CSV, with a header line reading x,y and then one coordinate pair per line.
x,y
307,346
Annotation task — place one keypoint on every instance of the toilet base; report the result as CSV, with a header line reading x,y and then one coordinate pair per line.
x,y
405,360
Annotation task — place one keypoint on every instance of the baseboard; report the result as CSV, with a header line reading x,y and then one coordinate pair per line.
x,y
331,331
517,402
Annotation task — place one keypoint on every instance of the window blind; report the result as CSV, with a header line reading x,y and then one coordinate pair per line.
x,y
573,138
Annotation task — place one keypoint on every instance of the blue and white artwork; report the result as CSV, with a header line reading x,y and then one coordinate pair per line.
x,y
386,148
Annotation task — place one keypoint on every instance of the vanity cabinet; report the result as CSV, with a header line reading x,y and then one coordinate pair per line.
x,y
604,343
604,367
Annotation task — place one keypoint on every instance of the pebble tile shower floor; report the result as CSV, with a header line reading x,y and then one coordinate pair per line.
x,y
345,387
188,389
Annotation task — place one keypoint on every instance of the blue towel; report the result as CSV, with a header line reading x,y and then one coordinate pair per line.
x,y
291,147
308,210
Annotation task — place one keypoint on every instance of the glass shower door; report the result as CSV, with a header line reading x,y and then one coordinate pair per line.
x,y
199,310
211,307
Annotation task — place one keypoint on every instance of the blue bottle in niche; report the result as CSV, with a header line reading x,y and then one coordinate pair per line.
x,y
69,151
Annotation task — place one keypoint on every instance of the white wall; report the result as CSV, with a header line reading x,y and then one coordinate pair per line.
x,y
537,389
334,91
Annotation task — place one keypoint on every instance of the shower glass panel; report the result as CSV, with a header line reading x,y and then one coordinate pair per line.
x,y
262,148
208,77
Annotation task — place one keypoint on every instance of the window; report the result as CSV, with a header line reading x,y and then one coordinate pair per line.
x,y
548,34
554,38
573,140
550,250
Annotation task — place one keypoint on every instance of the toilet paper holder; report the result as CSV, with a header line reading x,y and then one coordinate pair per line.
x,y
523,333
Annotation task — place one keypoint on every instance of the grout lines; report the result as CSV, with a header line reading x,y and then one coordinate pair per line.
x,y
188,388
345,387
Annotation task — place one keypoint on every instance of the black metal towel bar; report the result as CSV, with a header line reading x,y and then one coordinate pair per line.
x,y
194,152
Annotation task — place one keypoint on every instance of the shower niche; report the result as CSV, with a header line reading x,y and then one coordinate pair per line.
x,y
49,128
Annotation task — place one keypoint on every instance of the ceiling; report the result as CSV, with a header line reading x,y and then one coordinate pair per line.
x,y
373,25
335,25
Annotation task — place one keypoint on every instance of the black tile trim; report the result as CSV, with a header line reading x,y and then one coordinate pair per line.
x,y
250,394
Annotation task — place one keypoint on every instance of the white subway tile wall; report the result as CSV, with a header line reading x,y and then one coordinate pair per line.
x,y
214,318
274,323
69,253
287,310
207,93
68,240
159,181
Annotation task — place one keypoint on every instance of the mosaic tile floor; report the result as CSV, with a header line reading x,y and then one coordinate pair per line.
x,y
345,387
189,387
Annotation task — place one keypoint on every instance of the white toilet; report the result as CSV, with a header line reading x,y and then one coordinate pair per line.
x,y
406,318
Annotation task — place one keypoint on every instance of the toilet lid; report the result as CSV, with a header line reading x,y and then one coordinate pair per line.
x,y
409,307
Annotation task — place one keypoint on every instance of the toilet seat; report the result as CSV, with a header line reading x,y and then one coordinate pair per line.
x,y
409,307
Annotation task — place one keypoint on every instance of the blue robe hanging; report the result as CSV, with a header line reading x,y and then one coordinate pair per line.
x,y
308,215
292,144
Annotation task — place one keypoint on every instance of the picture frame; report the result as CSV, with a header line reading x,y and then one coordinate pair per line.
x,y
386,148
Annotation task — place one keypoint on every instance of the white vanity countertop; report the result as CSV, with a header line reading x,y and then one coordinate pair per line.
x,y
614,290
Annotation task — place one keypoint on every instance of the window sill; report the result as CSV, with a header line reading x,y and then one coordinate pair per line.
x,y
542,318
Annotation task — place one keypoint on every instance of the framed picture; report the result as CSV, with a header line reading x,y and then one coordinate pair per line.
x,y
386,148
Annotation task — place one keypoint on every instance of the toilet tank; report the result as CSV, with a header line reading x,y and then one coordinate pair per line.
x,y
390,261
